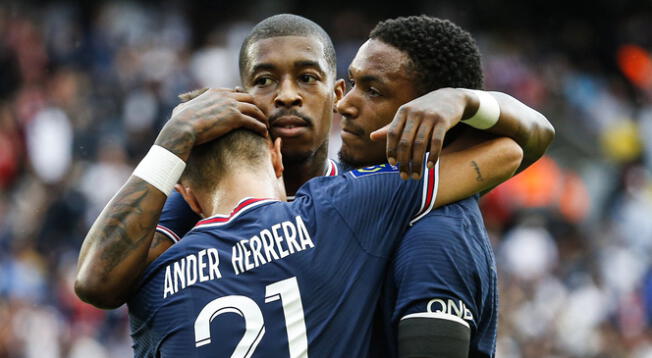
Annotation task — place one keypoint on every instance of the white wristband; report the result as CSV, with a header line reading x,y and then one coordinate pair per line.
x,y
488,111
161,168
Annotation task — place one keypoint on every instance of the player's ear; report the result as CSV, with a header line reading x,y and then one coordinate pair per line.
x,y
340,89
277,157
190,198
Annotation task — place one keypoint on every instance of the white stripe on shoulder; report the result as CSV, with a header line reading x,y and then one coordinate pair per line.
x,y
167,232
427,207
438,315
335,168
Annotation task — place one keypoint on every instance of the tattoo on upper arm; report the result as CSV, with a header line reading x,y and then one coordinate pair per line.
x,y
477,171
158,240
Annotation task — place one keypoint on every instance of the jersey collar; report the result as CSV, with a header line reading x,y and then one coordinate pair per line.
x,y
243,206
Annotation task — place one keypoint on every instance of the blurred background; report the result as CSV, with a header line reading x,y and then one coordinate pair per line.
x,y
84,89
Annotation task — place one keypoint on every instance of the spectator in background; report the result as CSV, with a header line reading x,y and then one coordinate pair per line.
x,y
116,74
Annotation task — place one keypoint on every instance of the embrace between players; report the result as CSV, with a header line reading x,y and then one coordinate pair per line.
x,y
382,255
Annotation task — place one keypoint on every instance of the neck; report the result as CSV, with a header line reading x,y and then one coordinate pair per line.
x,y
296,173
237,185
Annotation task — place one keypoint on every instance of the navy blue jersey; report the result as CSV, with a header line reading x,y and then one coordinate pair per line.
x,y
445,263
177,218
277,279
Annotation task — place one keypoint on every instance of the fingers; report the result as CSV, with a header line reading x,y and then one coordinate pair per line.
x,y
213,129
243,97
188,96
394,134
379,134
436,142
253,124
420,147
253,111
404,147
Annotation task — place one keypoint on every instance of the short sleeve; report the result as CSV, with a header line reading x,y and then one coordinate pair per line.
x,y
177,218
440,267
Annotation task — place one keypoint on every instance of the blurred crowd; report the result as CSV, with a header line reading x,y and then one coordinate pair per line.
x,y
83,97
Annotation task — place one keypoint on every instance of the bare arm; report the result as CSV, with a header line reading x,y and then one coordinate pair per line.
x,y
117,245
421,124
529,128
482,165
116,250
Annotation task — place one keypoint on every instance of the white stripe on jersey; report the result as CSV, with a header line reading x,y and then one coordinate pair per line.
x,y
167,232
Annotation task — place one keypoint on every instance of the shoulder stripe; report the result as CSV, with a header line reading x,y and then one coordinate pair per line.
x,y
244,205
438,315
429,194
167,232
331,169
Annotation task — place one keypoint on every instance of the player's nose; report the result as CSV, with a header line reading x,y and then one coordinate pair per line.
x,y
347,106
288,95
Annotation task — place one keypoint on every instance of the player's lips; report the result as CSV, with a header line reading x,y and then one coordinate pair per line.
x,y
351,132
288,126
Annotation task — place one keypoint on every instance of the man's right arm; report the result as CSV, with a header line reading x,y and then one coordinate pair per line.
x,y
115,251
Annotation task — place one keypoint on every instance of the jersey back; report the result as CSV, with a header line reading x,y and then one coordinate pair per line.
x,y
278,279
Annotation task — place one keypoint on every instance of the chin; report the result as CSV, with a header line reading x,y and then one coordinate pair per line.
x,y
350,161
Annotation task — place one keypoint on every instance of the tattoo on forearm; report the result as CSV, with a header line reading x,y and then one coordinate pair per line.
x,y
128,223
477,171
180,143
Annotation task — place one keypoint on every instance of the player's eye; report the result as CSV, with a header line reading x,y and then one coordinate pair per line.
x,y
351,82
262,81
308,78
372,92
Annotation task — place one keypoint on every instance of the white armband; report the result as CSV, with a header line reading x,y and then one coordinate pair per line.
x,y
488,111
161,168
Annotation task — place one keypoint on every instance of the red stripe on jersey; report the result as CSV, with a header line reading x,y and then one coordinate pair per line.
x,y
223,219
430,191
167,232
431,186
331,171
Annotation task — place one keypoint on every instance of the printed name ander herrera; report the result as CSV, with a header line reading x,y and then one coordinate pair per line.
x,y
275,243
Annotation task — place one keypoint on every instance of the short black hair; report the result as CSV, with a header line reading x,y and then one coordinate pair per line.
x,y
209,161
288,25
441,53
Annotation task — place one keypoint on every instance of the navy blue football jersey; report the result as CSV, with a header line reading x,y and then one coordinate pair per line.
x,y
177,218
278,279
444,263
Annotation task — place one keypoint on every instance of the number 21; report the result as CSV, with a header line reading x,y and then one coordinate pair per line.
x,y
286,290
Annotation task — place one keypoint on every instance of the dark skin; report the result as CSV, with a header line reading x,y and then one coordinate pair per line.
x,y
384,91
298,82
295,87
119,241
294,78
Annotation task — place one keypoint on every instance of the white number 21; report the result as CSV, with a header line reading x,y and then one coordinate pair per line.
x,y
286,290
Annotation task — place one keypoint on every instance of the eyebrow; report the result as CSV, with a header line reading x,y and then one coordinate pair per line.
x,y
366,78
263,67
297,64
308,63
